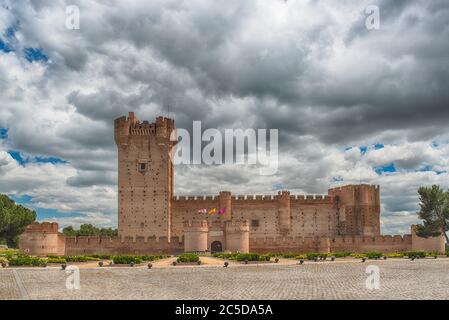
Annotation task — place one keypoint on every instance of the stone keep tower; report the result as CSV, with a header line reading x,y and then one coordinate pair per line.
x,y
359,209
145,176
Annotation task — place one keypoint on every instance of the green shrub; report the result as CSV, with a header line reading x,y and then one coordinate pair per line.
x,y
80,258
340,254
301,256
358,255
152,257
395,255
416,254
288,255
313,256
374,255
102,256
247,256
22,260
227,256
264,257
10,252
188,257
56,260
126,259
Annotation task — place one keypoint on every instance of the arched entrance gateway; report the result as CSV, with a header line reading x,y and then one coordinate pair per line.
x,y
216,246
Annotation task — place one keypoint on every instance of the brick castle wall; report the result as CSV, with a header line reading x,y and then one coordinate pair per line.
x,y
151,219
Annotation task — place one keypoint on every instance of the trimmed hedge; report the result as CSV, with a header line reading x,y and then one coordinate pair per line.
x,y
80,258
340,254
227,256
374,255
416,254
26,261
358,255
102,256
313,256
56,260
248,256
188,257
264,257
395,255
126,259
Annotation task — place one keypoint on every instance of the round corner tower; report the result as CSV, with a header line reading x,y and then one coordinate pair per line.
x,y
195,236
237,236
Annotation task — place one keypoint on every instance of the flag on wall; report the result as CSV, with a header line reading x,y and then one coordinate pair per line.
x,y
213,211
222,211
202,211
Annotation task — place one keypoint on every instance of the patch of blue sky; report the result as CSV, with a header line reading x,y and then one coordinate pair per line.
x,y
378,146
5,47
35,54
53,214
337,179
52,160
16,155
390,168
8,38
10,32
3,133
22,199
426,168
43,213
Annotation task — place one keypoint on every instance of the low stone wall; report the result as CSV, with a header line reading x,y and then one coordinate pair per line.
x,y
385,244
44,239
106,245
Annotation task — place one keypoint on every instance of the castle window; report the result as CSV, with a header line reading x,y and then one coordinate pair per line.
x,y
254,223
142,167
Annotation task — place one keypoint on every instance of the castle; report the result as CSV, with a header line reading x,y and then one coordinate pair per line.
x,y
151,219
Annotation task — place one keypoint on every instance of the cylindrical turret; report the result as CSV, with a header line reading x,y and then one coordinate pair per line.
x,y
195,236
237,236
225,204
41,239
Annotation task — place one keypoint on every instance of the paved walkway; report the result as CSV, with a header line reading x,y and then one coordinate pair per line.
x,y
399,279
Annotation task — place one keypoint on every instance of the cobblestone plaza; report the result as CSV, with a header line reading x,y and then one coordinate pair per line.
x,y
399,279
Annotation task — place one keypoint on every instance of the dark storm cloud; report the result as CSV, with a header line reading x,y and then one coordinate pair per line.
x,y
403,85
310,69
89,178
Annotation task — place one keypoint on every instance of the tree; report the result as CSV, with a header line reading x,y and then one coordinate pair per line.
x,y
434,204
13,220
89,230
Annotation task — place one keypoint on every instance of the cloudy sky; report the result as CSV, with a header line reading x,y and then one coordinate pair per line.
x,y
351,104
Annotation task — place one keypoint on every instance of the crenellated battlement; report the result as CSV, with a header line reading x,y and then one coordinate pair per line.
x,y
194,198
47,227
267,198
193,225
130,126
331,244
353,186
